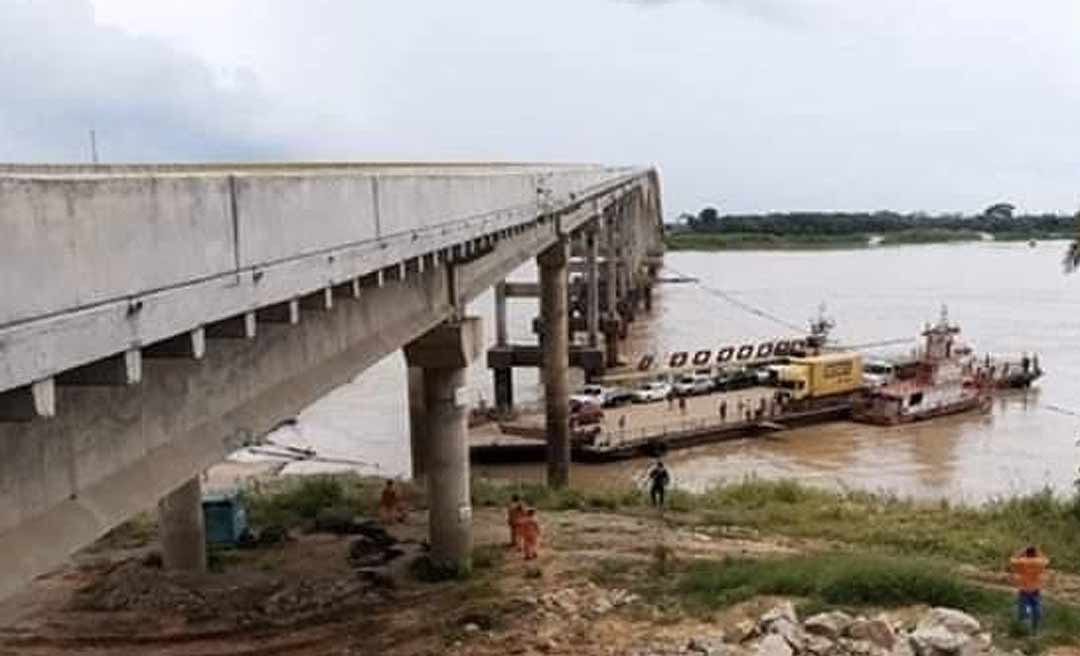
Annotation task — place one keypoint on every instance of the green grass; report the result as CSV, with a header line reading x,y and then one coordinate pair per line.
x,y
854,582
294,501
489,493
928,236
714,241
985,535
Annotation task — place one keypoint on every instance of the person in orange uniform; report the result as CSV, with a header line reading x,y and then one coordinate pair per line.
x,y
1028,567
515,513
391,508
529,530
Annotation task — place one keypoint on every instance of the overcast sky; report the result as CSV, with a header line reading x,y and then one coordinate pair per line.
x,y
746,104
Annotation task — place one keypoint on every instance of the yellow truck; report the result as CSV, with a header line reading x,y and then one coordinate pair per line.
x,y
826,375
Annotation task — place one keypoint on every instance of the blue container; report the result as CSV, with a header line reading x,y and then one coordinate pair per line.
x,y
225,518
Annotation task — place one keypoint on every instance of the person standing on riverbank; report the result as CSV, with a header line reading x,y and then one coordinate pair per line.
x,y
658,481
1028,567
391,507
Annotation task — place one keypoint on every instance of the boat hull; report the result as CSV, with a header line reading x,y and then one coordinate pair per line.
x,y
975,403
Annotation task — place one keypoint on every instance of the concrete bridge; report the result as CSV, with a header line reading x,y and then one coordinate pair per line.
x,y
155,318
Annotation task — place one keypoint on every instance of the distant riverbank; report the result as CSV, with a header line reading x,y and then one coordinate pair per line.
x,y
718,241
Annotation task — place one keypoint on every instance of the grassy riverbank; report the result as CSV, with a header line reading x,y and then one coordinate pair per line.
x,y
709,562
982,536
723,241
720,241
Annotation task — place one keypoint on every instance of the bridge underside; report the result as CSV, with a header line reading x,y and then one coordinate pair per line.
x,y
131,426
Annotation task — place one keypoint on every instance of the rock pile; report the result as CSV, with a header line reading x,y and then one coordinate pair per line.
x,y
589,600
779,632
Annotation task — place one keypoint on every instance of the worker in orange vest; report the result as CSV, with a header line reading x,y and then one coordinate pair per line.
x,y
529,530
1028,567
515,513
391,506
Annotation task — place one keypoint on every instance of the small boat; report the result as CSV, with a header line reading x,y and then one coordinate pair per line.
x,y
1019,373
942,380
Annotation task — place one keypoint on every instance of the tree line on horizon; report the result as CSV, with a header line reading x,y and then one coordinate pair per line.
x,y
996,219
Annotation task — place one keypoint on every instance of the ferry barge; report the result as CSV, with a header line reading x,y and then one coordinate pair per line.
x,y
944,379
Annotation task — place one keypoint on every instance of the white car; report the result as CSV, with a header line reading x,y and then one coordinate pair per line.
x,y
690,385
649,392
595,394
877,373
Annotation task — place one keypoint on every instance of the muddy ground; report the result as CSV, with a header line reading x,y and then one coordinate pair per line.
x,y
307,597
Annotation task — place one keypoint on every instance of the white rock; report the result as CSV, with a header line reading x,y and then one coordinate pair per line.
x,y
902,648
876,631
741,632
852,647
936,641
788,630
773,645
818,645
471,628
831,624
952,620
782,611
710,646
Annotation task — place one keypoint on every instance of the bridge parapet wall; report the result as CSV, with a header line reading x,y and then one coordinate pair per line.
x,y
182,244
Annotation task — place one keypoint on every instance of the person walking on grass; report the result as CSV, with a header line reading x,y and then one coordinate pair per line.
x,y
658,481
530,534
1028,568
515,513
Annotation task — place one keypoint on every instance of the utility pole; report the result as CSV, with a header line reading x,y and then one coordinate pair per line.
x,y
93,146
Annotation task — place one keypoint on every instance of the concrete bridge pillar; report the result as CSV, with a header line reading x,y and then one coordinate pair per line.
x,y
504,377
444,353
592,291
554,266
417,424
181,528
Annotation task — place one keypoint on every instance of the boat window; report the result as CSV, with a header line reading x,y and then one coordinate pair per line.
x,y
915,399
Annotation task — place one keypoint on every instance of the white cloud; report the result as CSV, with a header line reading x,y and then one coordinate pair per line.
x,y
766,104
66,74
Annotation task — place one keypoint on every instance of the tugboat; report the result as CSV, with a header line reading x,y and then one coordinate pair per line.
x,y
942,380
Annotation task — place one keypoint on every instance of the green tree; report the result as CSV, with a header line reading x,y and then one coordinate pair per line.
x,y
709,218
1000,211
1072,256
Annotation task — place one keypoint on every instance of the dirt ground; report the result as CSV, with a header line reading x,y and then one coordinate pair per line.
x,y
307,598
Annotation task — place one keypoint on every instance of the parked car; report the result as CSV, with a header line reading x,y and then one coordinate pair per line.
x,y
618,396
693,384
606,397
585,413
650,392
735,379
595,394
878,372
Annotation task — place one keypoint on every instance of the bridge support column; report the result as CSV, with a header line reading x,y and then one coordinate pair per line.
x,y
444,353
592,292
183,534
417,425
553,264
504,378
504,390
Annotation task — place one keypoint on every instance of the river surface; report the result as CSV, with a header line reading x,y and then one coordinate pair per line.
x,y
1007,297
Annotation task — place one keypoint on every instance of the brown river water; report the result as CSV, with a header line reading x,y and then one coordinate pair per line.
x,y
1007,297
